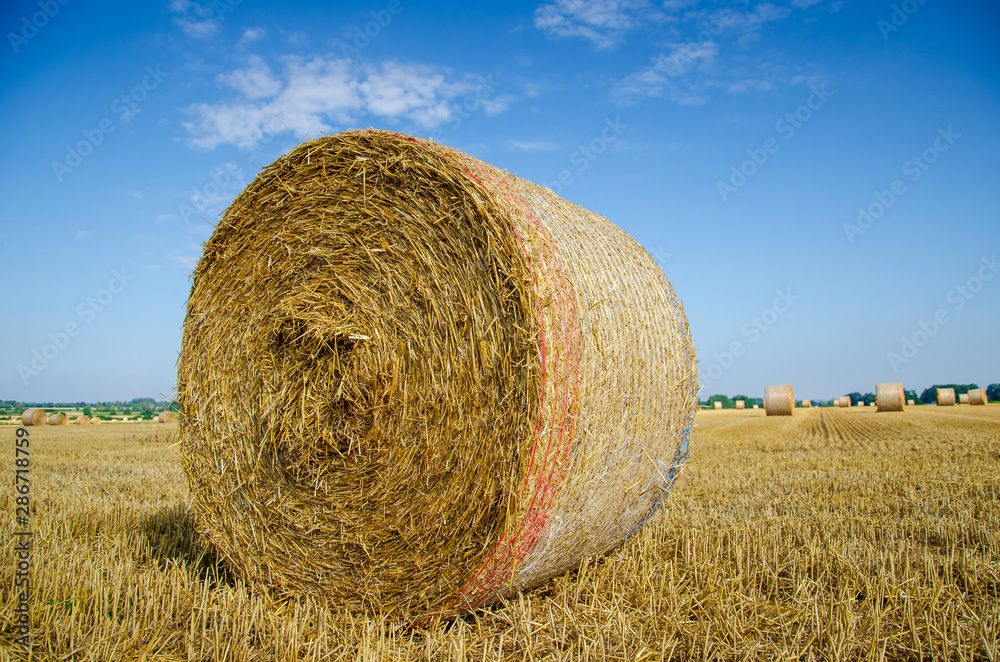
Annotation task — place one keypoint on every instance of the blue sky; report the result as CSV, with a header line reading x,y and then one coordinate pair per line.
x,y
739,142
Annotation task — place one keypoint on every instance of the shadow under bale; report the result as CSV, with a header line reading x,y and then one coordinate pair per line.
x,y
173,538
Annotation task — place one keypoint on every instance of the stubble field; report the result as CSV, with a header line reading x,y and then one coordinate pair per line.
x,y
829,535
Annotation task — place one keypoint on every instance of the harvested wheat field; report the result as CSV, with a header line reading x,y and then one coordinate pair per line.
x,y
828,534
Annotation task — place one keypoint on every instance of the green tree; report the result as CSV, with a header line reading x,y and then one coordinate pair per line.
x,y
87,411
724,399
993,392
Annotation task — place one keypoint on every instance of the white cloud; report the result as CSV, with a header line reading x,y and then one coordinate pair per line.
x,y
81,234
604,22
533,145
311,96
199,21
251,35
668,75
805,3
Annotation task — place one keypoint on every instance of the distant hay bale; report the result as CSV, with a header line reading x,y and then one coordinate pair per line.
x,y
845,401
95,421
166,417
889,396
977,396
717,404
946,397
779,400
963,399
414,383
756,406
910,402
34,416
58,418
741,404
806,404
82,420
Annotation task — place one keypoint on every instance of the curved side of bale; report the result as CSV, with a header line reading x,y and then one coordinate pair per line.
x,y
779,400
741,404
889,396
457,382
977,396
166,417
33,416
946,397
82,420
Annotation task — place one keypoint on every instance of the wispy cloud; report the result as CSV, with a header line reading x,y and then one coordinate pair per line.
x,y
667,76
311,96
81,234
533,145
251,35
603,22
196,20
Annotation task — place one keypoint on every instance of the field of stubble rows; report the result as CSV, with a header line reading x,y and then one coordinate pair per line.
x,y
829,535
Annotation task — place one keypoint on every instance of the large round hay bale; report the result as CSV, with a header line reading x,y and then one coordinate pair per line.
x,y
977,396
963,398
889,396
58,418
34,416
845,401
779,400
717,404
806,404
946,397
414,383
82,420
166,417
741,404
94,420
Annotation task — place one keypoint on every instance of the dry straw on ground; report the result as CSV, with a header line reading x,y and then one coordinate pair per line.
x,y
58,419
779,400
34,416
414,383
166,417
946,397
977,396
889,396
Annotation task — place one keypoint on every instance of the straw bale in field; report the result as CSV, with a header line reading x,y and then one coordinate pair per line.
x,y
741,404
166,417
34,416
58,418
779,400
412,382
946,397
889,396
977,396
